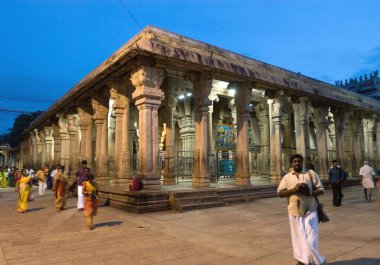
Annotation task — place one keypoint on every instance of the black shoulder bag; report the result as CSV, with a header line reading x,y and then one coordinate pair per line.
x,y
322,216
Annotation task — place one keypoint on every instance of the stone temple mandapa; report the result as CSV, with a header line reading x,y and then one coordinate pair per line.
x,y
171,109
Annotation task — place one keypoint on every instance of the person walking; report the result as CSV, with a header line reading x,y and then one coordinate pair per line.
x,y
81,174
3,178
23,188
336,178
59,187
42,177
297,187
367,173
90,192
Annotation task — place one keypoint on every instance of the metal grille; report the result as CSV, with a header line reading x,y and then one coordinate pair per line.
x,y
184,166
226,165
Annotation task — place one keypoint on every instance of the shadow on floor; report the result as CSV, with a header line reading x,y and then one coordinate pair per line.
x,y
35,209
108,224
360,261
71,207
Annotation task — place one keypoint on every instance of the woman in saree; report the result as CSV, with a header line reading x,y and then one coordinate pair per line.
x,y
3,178
90,191
23,188
59,187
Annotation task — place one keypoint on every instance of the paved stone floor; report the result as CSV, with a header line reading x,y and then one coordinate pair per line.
x,y
251,233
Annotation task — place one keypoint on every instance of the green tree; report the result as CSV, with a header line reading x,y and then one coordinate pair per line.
x,y
20,124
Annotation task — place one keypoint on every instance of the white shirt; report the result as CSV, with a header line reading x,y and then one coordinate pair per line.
x,y
366,171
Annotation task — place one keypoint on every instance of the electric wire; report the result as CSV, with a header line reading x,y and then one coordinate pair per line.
x,y
14,111
130,13
28,100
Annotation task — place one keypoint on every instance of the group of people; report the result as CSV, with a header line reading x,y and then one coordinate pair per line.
x,y
85,180
9,176
301,187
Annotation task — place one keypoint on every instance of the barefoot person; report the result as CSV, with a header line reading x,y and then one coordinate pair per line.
x,y
297,186
90,192
81,174
23,188
59,187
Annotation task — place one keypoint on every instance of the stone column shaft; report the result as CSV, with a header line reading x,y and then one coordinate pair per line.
x,y
148,96
243,109
275,139
321,124
202,89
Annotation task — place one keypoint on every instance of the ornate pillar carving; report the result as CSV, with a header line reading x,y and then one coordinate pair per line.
x,y
377,159
243,99
340,119
202,88
49,145
73,145
148,96
100,107
171,84
321,125
276,106
85,127
287,133
369,131
57,144
34,148
301,117
65,142
41,135
262,114
121,107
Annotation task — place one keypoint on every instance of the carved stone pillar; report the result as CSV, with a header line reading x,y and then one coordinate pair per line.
x,y
377,160
358,141
202,88
65,142
340,119
186,124
41,135
287,133
243,98
49,145
148,96
39,148
57,144
170,103
100,107
73,145
85,127
262,114
301,117
369,131
276,106
122,154
34,149
321,124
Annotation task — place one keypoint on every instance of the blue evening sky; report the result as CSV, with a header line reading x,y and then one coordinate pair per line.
x,y
47,46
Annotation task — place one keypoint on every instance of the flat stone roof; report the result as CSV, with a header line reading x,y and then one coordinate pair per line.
x,y
190,54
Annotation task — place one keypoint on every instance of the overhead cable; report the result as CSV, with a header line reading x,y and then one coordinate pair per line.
x,y
26,99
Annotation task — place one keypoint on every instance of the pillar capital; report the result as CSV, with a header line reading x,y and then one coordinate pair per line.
x,y
100,108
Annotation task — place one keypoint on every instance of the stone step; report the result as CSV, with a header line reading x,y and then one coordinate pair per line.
x,y
191,194
197,200
190,207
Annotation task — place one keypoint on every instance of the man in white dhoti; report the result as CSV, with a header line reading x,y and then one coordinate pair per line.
x,y
367,173
297,187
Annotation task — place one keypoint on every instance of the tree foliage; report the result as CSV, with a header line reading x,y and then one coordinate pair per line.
x,y
20,124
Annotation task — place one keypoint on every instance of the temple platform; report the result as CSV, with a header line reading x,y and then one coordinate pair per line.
x,y
183,197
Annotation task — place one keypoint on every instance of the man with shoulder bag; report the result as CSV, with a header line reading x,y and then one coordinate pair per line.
x,y
301,190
